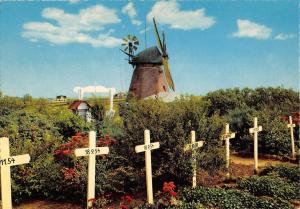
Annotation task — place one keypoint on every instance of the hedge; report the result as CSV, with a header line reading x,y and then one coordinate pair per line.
x,y
231,199
272,186
287,172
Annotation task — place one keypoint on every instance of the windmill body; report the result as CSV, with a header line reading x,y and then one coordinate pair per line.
x,y
148,77
151,76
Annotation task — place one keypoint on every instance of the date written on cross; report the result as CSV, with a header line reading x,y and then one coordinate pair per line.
x,y
146,147
14,160
229,135
257,129
91,151
194,146
7,161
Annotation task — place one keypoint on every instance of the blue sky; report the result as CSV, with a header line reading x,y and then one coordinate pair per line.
x,y
48,48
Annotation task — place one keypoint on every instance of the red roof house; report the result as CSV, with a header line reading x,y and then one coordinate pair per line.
x,y
81,108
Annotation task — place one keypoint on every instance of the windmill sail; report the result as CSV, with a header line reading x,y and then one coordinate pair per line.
x,y
165,58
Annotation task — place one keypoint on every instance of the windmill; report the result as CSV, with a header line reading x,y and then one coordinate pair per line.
x,y
151,76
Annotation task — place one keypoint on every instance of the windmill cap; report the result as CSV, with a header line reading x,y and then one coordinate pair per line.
x,y
148,56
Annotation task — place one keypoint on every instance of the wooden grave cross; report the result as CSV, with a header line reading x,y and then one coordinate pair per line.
x,y
91,152
227,136
147,147
291,126
6,161
255,131
193,146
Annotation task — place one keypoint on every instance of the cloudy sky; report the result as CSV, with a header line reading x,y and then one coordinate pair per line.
x,y
48,48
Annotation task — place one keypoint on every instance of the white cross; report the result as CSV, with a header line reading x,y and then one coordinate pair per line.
x,y
147,147
6,161
255,131
227,136
91,152
291,126
193,146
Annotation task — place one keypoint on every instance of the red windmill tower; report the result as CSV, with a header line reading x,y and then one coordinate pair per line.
x,y
151,76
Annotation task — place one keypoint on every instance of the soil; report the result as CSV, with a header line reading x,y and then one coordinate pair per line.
x,y
39,204
262,162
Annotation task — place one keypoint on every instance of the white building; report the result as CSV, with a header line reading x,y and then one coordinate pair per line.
x,y
81,108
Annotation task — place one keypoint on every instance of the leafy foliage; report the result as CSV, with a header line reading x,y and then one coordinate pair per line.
x,y
273,186
39,128
239,106
231,199
170,124
36,131
277,99
290,173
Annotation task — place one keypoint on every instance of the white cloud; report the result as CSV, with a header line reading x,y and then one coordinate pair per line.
x,y
73,1
92,18
248,29
130,10
75,28
136,22
169,12
283,36
144,30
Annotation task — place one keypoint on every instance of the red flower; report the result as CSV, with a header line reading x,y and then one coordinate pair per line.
x,y
173,194
66,152
69,173
122,206
127,198
57,152
69,144
169,186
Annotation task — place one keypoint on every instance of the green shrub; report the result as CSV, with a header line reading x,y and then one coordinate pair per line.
x,y
239,106
231,199
170,124
68,124
273,186
277,99
274,138
284,171
10,104
38,132
32,133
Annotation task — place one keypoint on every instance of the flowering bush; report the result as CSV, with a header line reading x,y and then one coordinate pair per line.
x,y
81,140
112,173
126,200
168,195
102,201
